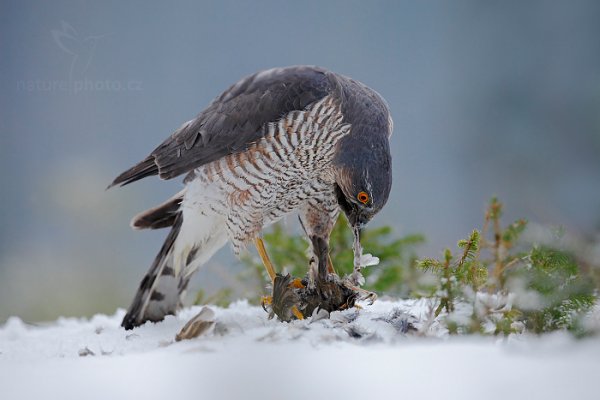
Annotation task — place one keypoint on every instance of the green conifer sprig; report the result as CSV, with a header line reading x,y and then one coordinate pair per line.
x,y
509,285
551,276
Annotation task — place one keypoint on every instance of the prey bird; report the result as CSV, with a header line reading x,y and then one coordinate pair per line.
x,y
295,139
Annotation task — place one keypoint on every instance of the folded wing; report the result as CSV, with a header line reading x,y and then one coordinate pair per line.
x,y
233,121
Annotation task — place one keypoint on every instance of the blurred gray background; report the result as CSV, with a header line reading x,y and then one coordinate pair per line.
x,y
488,98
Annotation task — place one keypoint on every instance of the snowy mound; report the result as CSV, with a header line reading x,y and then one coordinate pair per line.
x,y
387,350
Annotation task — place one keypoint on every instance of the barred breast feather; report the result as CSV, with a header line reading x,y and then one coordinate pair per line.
x,y
289,165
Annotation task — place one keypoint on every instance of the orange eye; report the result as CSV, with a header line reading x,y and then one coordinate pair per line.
x,y
363,197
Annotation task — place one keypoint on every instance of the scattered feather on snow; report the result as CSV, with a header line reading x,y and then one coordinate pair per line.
x,y
384,350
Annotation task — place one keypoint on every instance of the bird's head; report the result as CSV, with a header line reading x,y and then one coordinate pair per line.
x,y
363,175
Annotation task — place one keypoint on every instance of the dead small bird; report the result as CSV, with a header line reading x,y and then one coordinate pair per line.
x,y
293,298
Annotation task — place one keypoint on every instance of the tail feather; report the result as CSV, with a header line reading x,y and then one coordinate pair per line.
x,y
162,216
188,245
155,297
145,168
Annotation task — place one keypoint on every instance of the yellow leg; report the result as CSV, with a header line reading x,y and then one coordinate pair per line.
x,y
330,268
262,252
296,283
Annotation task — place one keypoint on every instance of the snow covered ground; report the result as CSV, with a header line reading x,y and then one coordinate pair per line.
x,y
365,354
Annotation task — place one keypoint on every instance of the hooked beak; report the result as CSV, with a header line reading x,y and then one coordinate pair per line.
x,y
356,217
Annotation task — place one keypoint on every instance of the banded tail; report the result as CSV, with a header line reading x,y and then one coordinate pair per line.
x,y
159,292
192,240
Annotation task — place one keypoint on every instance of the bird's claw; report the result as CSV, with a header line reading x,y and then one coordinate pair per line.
x,y
324,285
295,298
297,313
362,293
275,304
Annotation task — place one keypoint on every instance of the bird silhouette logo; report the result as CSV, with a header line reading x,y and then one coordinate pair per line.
x,y
80,48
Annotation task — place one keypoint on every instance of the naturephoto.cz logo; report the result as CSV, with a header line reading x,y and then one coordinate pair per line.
x,y
80,51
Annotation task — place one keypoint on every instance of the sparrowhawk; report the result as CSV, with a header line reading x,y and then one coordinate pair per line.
x,y
296,139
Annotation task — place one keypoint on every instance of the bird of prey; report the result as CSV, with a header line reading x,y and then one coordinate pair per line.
x,y
295,139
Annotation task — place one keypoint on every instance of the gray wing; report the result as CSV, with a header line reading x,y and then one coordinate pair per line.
x,y
234,120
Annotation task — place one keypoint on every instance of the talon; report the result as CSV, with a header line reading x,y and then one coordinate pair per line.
x,y
364,294
372,297
297,313
266,301
297,283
